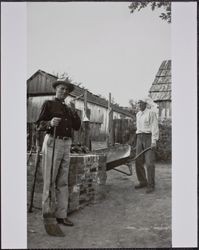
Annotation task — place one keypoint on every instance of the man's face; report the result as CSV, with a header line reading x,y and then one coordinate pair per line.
x,y
142,105
62,91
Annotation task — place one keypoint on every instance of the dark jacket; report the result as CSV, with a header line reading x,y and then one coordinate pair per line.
x,y
55,108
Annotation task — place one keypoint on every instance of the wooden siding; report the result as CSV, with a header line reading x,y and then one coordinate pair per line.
x,y
123,130
98,114
40,83
34,106
164,109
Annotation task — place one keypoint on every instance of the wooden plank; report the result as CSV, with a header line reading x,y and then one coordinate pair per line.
x,y
86,124
110,123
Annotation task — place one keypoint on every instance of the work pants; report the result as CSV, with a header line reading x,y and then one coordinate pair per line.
x,y
60,193
143,142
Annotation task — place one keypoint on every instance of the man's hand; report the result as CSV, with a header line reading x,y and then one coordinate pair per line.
x,y
55,121
153,145
38,148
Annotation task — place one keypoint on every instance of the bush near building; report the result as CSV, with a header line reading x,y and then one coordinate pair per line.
x,y
164,145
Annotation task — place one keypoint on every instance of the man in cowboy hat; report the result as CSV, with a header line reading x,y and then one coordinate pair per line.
x,y
55,113
147,134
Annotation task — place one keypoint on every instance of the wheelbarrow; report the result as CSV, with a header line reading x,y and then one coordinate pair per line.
x,y
118,155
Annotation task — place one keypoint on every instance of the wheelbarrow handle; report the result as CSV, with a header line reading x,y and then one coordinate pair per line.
x,y
141,153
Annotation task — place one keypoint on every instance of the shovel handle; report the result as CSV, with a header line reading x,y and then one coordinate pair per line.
x,y
37,160
52,161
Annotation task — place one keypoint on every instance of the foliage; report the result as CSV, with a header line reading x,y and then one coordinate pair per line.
x,y
166,6
164,144
133,107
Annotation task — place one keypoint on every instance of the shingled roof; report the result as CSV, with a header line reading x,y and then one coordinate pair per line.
x,y
161,87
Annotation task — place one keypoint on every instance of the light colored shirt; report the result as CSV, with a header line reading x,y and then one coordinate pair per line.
x,y
147,122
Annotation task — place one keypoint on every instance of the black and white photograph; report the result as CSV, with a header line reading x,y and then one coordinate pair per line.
x,y
99,128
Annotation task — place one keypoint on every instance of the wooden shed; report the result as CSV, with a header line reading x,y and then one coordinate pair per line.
x,y
39,89
160,90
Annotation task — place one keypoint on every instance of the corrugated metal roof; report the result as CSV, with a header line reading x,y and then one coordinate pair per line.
x,y
40,83
161,86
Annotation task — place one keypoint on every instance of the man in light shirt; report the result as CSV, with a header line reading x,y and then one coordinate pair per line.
x,y
147,135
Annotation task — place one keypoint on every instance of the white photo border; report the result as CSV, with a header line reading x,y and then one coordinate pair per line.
x,y
13,124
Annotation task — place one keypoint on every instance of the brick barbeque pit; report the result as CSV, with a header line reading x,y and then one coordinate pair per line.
x,y
87,179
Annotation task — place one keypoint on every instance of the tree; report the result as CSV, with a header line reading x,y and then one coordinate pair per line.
x,y
165,15
133,107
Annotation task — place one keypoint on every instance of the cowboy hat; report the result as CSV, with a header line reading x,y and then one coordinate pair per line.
x,y
150,103
64,81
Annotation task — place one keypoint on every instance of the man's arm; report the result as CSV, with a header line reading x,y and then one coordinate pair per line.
x,y
43,122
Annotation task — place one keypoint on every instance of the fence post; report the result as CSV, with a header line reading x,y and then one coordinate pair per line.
x,y
110,122
86,123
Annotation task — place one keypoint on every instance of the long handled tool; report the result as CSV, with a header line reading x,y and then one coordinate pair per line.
x,y
35,177
50,223
29,155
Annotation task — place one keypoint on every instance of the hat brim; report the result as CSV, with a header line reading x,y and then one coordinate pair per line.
x,y
69,85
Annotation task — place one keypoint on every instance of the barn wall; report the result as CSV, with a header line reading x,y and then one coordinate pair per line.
x,y
41,83
98,114
34,105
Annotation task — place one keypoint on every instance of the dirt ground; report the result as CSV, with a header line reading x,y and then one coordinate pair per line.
x,y
125,218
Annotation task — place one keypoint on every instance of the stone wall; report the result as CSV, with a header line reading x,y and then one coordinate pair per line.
x,y
87,179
